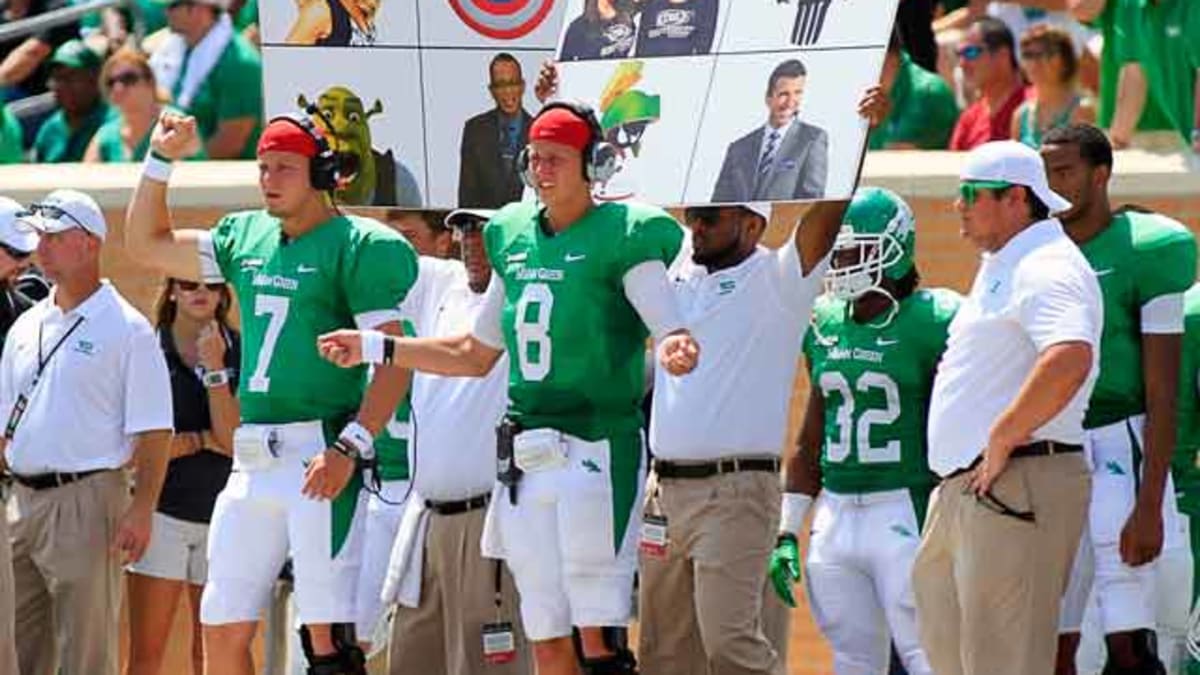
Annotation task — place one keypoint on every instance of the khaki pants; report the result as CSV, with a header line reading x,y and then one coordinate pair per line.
x,y
68,595
701,604
988,585
458,586
8,648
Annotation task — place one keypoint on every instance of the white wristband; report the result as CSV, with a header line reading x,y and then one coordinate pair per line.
x,y
358,436
792,509
372,346
157,169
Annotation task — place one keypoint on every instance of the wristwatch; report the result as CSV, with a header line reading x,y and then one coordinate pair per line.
x,y
215,378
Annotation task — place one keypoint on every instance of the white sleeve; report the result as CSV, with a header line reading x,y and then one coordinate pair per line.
x,y
796,291
1059,304
210,271
413,305
649,291
1163,315
487,323
147,385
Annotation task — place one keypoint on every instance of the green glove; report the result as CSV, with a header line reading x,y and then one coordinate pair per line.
x,y
785,567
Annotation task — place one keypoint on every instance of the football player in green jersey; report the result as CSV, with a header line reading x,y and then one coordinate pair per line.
x,y
872,350
1184,467
300,268
576,286
1144,263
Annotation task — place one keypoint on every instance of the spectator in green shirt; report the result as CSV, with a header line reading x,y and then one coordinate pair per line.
x,y
11,150
214,74
131,88
74,79
923,109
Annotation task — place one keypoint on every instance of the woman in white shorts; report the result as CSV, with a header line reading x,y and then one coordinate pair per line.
x,y
202,354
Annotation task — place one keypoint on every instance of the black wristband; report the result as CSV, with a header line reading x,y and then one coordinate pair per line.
x,y
389,350
343,448
160,156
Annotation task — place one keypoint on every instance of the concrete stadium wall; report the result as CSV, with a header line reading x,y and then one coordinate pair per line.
x,y
201,192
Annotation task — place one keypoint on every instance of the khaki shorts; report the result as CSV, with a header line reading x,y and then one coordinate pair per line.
x,y
177,550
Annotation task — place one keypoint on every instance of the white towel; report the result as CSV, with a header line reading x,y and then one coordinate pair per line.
x,y
168,62
403,582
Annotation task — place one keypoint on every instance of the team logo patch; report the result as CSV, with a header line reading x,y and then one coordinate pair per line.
x,y
502,19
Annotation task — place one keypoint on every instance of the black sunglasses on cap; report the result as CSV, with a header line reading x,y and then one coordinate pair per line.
x,y
52,212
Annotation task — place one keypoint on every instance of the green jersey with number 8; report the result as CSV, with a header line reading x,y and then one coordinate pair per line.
x,y
876,382
346,272
577,345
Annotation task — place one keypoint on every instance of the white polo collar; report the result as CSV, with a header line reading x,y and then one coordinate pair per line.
x,y
1025,241
88,309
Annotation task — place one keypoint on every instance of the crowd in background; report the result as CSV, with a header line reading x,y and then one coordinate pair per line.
x,y
958,73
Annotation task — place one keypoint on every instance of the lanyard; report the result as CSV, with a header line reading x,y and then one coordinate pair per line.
x,y
42,361
22,402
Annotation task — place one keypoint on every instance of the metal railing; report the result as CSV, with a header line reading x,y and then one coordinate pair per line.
x,y
58,17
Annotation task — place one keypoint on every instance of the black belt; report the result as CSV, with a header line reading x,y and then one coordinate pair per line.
x,y
45,481
1035,449
668,469
461,506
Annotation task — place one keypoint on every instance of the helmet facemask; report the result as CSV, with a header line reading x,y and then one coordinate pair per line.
x,y
875,254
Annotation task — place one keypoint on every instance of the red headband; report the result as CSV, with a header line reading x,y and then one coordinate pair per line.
x,y
560,125
283,135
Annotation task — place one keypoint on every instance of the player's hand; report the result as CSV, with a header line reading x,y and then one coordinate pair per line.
x,y
327,474
211,346
785,567
133,534
547,82
875,105
995,459
175,136
1142,536
341,347
679,353
185,443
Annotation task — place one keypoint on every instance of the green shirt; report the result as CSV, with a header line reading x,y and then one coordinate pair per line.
x,y
232,90
1153,118
11,151
576,345
347,271
391,445
57,142
1137,258
876,383
1183,463
923,110
1163,36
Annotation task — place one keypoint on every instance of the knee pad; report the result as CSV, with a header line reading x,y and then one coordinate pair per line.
x,y
1145,646
347,658
620,662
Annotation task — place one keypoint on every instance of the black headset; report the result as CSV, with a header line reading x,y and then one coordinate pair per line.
x,y
325,171
599,157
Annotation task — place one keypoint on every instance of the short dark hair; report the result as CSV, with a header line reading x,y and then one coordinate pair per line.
x,y
996,35
434,219
788,69
502,57
1094,147
1037,208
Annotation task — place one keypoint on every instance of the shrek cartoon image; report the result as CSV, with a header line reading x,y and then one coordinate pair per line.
x,y
625,114
371,176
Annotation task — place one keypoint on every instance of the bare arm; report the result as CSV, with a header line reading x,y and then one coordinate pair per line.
x,y
1057,374
230,138
817,231
387,388
225,415
1131,100
452,356
803,473
1161,355
150,467
22,61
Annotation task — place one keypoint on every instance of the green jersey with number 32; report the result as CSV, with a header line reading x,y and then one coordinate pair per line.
x,y
876,382
577,345
347,271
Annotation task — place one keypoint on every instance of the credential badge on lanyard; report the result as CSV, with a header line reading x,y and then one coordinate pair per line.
x,y
22,402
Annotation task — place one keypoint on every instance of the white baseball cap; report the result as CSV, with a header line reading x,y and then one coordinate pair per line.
x,y
17,238
63,210
1015,163
761,208
459,217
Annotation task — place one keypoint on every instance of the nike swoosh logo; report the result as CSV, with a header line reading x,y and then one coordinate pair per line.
x,y
574,257
1104,273
305,269
885,343
516,257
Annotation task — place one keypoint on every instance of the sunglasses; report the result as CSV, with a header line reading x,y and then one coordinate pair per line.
x,y
181,3
127,79
14,253
969,190
191,286
970,52
53,213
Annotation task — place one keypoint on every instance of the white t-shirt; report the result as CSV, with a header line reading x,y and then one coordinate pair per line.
x,y
454,417
105,382
750,322
1037,291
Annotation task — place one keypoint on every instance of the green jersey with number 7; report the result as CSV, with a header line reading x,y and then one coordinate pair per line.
x,y
348,271
577,345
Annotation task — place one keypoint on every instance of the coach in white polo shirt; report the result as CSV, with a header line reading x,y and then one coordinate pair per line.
x,y
83,390
445,589
712,506
1006,428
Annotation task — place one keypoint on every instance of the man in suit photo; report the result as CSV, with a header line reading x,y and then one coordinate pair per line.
x,y
784,159
491,140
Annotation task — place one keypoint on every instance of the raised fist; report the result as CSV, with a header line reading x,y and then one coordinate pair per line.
x,y
175,136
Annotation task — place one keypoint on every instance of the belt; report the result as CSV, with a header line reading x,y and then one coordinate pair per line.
x,y
1035,449
45,481
668,469
457,507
